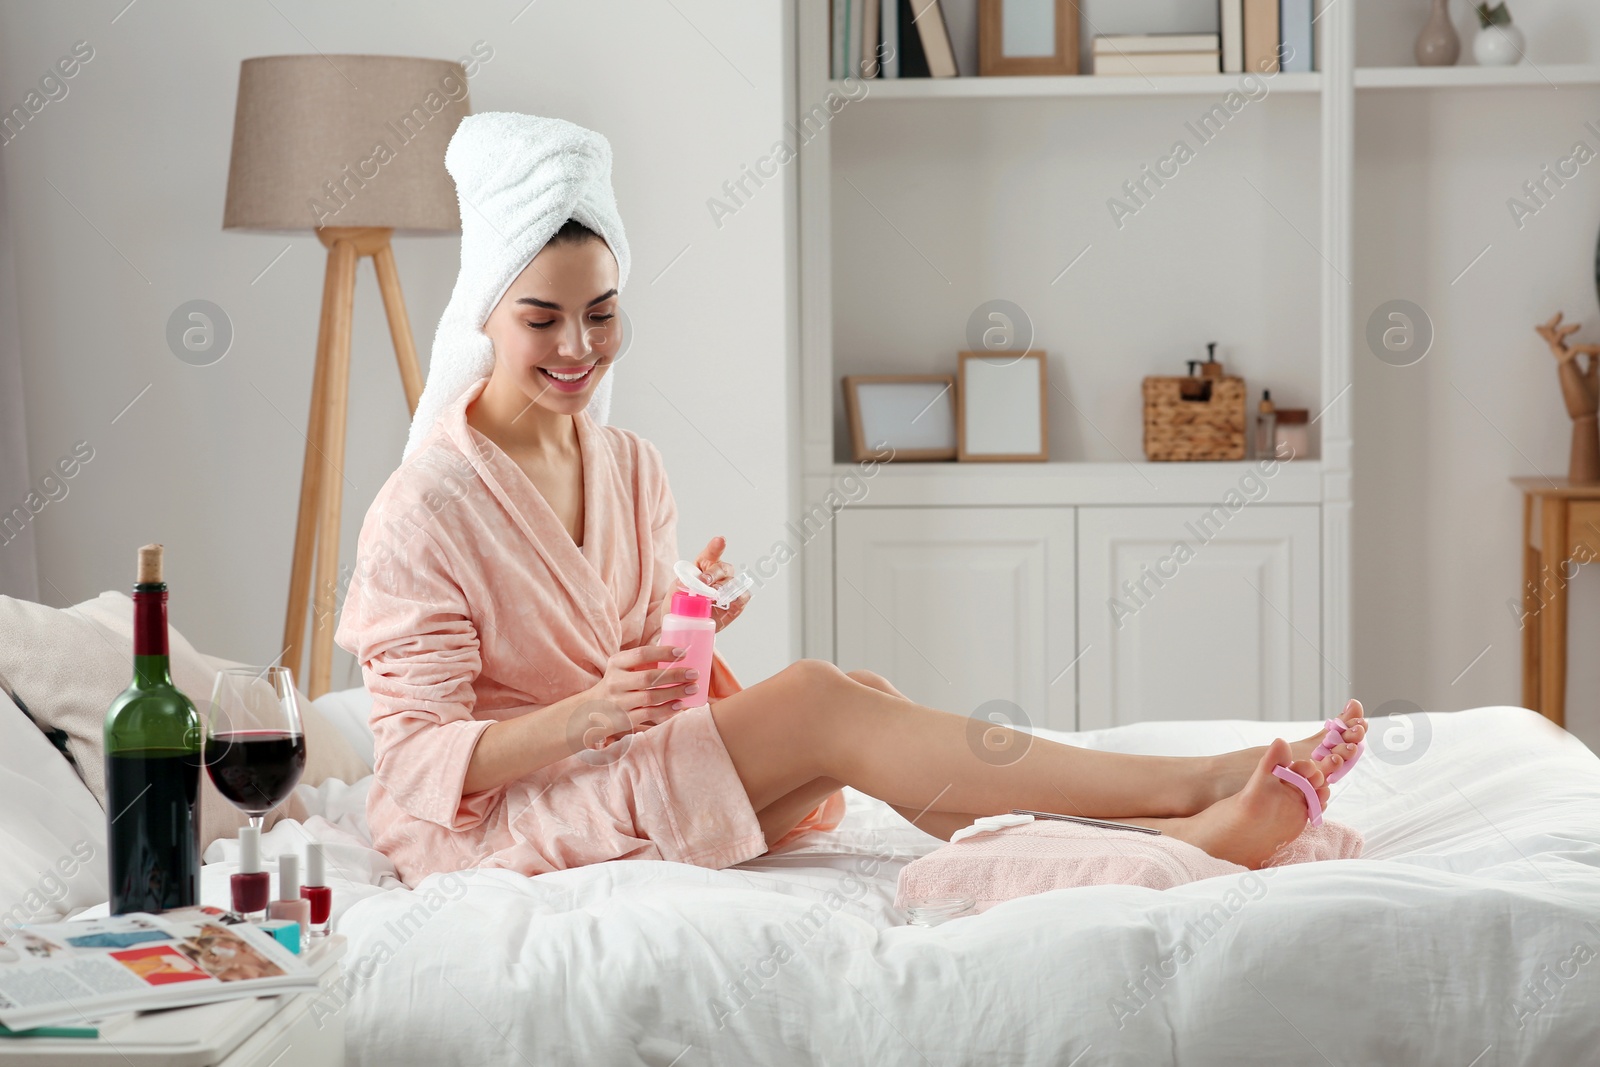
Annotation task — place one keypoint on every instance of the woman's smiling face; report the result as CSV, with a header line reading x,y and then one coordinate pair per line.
x,y
556,330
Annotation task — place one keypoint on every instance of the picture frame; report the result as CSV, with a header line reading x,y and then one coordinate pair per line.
x,y
1027,37
911,415
1001,407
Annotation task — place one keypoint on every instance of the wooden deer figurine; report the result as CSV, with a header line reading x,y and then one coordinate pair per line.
x,y
1580,388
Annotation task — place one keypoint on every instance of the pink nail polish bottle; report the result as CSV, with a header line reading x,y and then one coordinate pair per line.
x,y
290,904
252,885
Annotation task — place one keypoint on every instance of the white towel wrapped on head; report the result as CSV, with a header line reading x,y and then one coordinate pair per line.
x,y
519,178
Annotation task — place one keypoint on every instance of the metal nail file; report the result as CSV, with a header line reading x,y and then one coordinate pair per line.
x,y
1087,822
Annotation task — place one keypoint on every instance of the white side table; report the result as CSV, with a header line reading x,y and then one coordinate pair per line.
x,y
235,1033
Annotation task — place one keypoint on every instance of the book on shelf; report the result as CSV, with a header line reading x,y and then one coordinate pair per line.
x,y
1157,63
1295,31
1261,36
889,31
913,61
898,39
961,23
1132,43
1230,19
847,46
928,18
76,972
867,61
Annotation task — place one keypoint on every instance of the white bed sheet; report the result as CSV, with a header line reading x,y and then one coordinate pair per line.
x,y
1468,934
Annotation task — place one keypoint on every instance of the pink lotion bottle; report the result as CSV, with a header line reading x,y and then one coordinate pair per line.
x,y
689,624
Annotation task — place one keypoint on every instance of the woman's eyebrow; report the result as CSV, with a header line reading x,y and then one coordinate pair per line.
x,y
547,305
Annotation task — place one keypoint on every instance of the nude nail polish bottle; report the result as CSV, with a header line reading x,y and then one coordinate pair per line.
x,y
290,904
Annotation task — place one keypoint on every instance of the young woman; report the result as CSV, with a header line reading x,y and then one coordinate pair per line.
x,y
511,581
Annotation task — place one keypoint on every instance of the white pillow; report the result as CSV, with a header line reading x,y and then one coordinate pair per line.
x,y
350,712
53,835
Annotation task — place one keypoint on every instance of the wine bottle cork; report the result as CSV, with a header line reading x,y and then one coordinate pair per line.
x,y
150,565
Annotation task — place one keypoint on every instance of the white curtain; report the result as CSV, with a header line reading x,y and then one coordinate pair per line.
x,y
19,575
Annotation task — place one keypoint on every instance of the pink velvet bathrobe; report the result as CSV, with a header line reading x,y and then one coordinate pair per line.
x,y
471,603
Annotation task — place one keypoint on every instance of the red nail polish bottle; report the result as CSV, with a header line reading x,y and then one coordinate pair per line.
x,y
252,884
316,889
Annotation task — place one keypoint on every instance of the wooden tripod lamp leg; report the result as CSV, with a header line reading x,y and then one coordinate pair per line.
x,y
325,611
305,529
316,535
394,304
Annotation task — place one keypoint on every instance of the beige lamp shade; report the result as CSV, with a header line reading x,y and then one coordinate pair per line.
x,y
345,140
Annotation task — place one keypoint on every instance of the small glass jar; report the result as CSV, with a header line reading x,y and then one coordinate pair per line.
x,y
1292,436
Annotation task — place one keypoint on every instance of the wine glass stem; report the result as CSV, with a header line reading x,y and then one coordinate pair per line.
x,y
257,822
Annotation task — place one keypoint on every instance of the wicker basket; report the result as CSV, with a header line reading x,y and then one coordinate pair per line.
x,y
1194,418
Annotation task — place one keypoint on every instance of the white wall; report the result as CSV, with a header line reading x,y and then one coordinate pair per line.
x,y
208,460
1437,522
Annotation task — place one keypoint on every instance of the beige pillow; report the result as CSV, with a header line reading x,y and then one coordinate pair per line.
x,y
66,665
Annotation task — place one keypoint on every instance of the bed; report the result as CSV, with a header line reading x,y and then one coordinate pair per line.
x,y
1468,936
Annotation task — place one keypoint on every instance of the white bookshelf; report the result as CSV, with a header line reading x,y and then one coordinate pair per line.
x,y
1121,85
1297,243
1524,75
1073,484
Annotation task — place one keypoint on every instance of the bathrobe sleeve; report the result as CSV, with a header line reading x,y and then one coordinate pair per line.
x,y
664,532
409,628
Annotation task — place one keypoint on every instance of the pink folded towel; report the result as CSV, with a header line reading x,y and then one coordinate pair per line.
x,y
1042,855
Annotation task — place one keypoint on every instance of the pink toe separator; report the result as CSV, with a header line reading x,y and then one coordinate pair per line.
x,y
1313,802
1335,736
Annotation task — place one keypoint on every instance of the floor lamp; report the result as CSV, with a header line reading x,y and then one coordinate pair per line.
x,y
351,147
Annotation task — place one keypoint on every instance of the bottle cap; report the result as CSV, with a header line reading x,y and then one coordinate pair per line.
x,y
722,595
316,864
249,850
691,605
288,876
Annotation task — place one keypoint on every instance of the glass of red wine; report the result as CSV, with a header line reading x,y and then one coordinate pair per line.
x,y
255,748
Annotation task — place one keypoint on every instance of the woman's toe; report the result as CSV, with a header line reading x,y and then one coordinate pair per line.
x,y
1312,773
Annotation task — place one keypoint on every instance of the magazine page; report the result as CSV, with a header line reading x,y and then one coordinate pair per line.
x,y
54,973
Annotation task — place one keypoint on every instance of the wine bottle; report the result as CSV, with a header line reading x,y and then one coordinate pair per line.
x,y
152,767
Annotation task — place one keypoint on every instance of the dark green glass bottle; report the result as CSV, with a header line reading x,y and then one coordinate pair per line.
x,y
152,767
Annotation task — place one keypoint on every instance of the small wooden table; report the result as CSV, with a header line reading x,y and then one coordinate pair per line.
x,y
1560,530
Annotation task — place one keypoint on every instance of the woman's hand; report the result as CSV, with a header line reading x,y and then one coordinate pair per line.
x,y
716,571
635,692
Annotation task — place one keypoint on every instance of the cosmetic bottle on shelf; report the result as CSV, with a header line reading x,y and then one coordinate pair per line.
x,y
290,904
316,892
1266,425
252,885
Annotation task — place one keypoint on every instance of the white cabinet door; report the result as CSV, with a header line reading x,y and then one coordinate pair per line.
x,y
1190,613
959,607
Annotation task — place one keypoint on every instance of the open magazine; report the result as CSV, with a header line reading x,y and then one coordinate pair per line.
x,y
73,972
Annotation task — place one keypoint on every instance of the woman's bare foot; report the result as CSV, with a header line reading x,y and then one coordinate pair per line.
x,y
1236,768
1267,813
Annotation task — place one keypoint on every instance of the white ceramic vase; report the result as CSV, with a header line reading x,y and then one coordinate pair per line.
x,y
1498,46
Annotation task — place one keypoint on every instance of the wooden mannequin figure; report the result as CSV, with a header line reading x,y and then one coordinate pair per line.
x,y
1580,388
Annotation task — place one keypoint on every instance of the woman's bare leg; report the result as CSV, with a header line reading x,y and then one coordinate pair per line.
x,y
940,824
812,721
